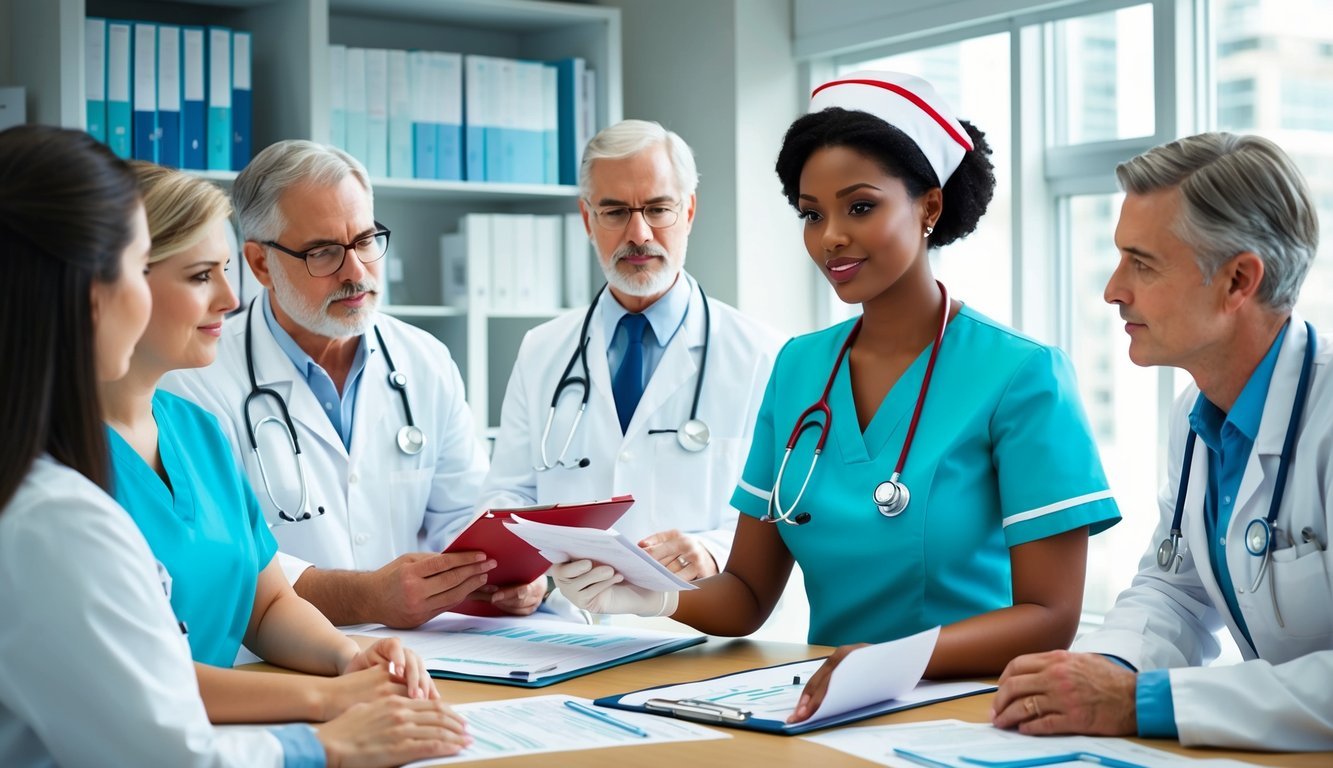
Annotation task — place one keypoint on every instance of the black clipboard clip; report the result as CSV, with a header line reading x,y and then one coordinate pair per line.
x,y
698,709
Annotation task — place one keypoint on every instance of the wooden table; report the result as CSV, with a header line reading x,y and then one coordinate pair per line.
x,y
745,748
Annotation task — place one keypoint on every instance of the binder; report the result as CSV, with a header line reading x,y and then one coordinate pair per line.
x,y
425,134
550,125
571,126
357,145
400,116
144,145
516,561
218,134
476,116
119,110
528,117
241,100
578,262
338,96
528,651
549,252
503,264
169,95
500,92
194,105
94,76
448,115
476,231
377,112
705,710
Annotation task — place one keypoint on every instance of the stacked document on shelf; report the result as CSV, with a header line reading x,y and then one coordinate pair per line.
x,y
956,744
540,724
560,544
530,651
870,681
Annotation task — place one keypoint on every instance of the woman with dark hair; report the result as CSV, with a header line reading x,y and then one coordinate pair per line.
x,y
925,465
94,669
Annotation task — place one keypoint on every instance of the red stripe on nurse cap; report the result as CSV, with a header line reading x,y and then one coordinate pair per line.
x,y
909,104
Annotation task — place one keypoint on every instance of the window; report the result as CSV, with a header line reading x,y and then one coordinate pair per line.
x,y
1103,73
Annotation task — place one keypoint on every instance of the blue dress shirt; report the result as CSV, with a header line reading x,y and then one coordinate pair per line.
x,y
665,318
339,408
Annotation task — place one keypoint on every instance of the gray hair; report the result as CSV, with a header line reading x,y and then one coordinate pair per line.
x,y
1238,193
630,137
259,187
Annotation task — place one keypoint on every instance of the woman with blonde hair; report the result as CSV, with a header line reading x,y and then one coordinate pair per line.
x,y
174,471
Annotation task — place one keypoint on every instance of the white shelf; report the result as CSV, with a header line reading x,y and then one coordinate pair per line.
x,y
418,310
473,191
520,314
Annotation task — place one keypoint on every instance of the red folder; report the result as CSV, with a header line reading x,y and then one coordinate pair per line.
x,y
517,562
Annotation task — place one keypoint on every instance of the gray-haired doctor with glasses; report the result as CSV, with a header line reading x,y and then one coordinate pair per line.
x,y
652,390
350,424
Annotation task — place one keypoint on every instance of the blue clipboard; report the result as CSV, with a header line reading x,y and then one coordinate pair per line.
x,y
541,682
736,717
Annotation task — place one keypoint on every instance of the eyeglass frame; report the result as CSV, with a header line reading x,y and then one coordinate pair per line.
x,y
304,256
642,211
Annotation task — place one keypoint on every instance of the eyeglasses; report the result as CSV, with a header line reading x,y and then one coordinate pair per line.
x,y
657,216
325,260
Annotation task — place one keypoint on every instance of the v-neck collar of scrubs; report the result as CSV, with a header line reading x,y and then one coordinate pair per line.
x,y
178,497
890,417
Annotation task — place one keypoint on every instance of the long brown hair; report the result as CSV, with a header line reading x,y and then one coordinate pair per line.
x,y
66,207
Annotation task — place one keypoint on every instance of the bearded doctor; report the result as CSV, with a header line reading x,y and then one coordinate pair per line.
x,y
351,425
653,389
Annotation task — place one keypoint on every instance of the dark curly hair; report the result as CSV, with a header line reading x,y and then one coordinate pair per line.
x,y
966,195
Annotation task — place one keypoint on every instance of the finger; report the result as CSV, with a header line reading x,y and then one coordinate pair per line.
x,y
1028,664
571,570
447,599
445,561
1016,688
449,580
599,574
1023,710
391,650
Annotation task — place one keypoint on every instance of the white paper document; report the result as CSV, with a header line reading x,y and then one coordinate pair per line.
x,y
539,724
523,649
944,744
867,676
559,544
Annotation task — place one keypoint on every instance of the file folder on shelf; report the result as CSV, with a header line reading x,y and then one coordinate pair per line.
x,y
241,100
338,96
194,104
94,76
218,137
119,67
169,95
144,145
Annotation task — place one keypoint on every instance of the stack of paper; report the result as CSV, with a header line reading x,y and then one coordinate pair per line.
x,y
560,544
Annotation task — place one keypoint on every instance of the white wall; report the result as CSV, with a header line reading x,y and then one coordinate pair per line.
x,y
720,73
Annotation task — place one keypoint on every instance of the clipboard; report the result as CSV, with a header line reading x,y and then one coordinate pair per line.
x,y
517,562
524,681
733,716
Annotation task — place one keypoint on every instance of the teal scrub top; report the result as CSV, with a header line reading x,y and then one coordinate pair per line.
x,y
1003,455
207,529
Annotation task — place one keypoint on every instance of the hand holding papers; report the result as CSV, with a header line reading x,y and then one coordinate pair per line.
x,y
870,681
560,544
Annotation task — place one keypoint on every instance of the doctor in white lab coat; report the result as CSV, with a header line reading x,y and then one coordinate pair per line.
x,y
638,205
363,544
1219,306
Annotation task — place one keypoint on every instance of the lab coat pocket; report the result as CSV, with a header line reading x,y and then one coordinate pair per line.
x,y
691,490
1303,592
409,492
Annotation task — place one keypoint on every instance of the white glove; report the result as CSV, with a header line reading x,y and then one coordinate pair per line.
x,y
599,590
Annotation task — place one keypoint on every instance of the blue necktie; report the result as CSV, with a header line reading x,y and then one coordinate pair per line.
x,y
627,387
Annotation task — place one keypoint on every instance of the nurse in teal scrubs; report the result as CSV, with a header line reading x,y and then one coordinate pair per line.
x,y
174,472
999,472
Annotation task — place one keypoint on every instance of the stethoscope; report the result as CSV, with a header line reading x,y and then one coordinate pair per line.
x,y
693,435
1259,533
410,438
891,496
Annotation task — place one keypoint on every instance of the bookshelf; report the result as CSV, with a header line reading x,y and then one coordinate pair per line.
x,y
291,100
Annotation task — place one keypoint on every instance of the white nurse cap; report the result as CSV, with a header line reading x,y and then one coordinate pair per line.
x,y
909,104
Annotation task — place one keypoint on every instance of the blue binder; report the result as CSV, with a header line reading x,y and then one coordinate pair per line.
x,y
569,94
94,73
194,104
144,145
218,155
241,99
119,70
169,95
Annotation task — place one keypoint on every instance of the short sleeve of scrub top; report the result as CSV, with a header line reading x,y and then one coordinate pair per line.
x,y
207,530
1003,455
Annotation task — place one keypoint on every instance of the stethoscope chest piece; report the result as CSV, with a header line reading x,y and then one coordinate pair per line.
x,y
1257,536
892,496
398,380
411,439
694,435
1166,551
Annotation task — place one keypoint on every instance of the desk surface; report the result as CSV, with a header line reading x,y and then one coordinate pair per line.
x,y
721,656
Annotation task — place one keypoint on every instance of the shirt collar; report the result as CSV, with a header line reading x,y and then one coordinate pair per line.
x,y
665,316
304,363
1209,421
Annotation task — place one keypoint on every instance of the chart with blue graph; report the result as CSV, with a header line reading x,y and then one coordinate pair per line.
x,y
767,694
528,651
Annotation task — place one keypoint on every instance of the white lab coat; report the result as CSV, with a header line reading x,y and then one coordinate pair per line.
x,y
1281,696
672,487
93,669
378,502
